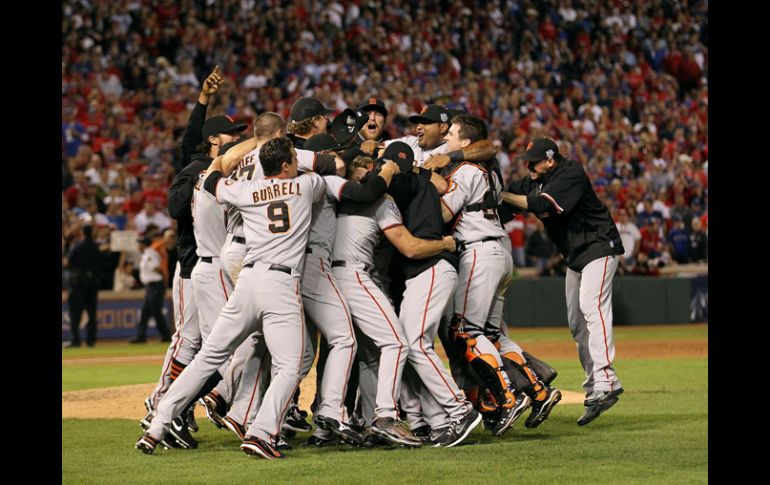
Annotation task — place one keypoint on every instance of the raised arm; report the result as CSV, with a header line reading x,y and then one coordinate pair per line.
x,y
478,151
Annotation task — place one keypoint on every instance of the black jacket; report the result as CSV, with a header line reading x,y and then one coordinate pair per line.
x,y
576,220
179,200
420,206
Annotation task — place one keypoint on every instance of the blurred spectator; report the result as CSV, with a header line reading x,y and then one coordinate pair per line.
x,y
698,242
651,244
645,267
541,250
124,275
515,229
151,215
631,239
679,242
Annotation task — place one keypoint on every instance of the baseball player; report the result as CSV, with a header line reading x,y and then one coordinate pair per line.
x,y
559,192
276,212
248,369
200,143
374,127
325,306
485,273
430,284
308,117
359,227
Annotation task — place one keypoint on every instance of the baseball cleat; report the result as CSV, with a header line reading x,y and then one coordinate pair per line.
x,y
394,431
178,430
295,421
596,403
258,447
422,432
146,444
216,408
343,430
318,442
235,427
542,409
189,416
281,444
509,415
147,419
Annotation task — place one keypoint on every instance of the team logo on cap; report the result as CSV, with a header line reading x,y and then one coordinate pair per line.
x,y
531,144
444,118
351,124
402,155
372,100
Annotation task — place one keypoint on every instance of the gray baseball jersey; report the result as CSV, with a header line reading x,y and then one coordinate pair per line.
x,y
467,185
420,154
324,224
360,227
272,209
249,168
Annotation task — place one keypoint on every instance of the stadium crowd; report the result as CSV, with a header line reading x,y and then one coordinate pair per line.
x,y
622,85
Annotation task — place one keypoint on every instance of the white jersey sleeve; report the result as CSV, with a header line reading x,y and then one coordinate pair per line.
x,y
386,213
334,185
306,160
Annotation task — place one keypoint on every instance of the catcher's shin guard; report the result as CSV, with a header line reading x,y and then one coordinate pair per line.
x,y
542,369
494,377
524,378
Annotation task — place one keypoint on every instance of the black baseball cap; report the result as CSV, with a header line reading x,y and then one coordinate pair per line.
x,y
346,125
540,149
305,108
320,143
433,113
401,153
374,104
221,124
454,112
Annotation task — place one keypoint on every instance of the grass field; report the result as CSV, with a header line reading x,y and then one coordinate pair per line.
x,y
657,433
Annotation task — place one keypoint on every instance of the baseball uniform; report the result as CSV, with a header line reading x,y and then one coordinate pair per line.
x,y
276,214
359,227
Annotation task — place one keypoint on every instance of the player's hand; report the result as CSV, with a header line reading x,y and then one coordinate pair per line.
x,y
392,166
369,146
436,161
212,83
450,244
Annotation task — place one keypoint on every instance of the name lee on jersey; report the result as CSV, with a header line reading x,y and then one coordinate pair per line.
x,y
276,190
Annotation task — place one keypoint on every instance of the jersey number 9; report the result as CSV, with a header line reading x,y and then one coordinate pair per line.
x,y
278,212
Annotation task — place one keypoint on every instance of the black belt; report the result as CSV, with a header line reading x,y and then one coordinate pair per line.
x,y
461,245
273,267
239,239
367,267
207,259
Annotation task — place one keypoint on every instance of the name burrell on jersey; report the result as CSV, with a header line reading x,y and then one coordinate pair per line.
x,y
276,190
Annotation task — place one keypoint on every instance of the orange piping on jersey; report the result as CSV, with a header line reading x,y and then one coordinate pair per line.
x,y
392,226
254,391
422,333
447,206
352,336
604,329
395,334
